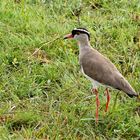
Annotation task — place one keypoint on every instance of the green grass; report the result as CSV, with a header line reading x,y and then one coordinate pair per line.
x,y
53,100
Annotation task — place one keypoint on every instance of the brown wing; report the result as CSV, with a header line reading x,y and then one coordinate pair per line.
x,y
99,68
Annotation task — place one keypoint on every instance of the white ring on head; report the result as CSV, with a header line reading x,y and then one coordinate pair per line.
x,y
82,30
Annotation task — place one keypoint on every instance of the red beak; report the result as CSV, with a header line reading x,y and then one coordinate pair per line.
x,y
68,36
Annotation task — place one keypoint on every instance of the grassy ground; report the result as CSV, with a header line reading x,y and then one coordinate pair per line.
x,y
43,95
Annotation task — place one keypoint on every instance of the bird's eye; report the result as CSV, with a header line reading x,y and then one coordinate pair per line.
x,y
78,33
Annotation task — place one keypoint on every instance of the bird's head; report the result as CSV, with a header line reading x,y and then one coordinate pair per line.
x,y
79,34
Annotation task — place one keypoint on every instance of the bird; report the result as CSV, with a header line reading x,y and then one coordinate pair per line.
x,y
98,68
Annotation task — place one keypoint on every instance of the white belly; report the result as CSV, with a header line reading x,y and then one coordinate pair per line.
x,y
94,82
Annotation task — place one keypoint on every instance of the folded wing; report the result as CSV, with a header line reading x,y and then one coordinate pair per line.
x,y
99,68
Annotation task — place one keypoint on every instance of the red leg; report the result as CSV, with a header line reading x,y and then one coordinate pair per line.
x,y
108,100
97,104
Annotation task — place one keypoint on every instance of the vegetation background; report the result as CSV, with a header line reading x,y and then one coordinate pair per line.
x,y
43,94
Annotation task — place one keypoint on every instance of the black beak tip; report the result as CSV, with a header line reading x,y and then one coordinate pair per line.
x,y
64,38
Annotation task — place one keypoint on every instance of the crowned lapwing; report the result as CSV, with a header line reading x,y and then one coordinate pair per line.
x,y
98,69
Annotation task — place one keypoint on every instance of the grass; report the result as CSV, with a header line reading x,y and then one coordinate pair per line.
x,y
44,96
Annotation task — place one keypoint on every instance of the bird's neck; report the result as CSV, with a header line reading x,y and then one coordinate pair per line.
x,y
84,44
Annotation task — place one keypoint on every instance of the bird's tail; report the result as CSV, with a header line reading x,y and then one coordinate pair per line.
x,y
128,89
132,94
